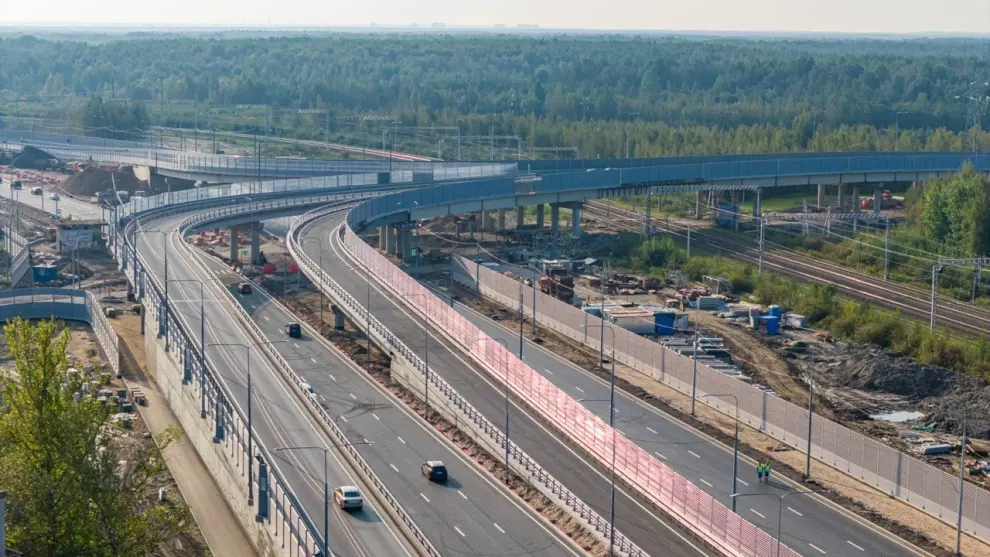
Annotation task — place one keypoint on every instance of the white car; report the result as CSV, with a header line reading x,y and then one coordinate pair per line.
x,y
54,196
348,498
309,391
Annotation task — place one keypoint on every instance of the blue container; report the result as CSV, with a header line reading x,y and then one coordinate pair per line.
x,y
45,273
775,311
773,325
593,310
664,323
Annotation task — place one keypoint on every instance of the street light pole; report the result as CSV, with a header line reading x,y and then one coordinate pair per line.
x,y
322,300
735,446
202,344
611,425
780,506
962,485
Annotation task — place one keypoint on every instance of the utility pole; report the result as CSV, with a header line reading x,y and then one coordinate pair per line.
x,y
962,484
763,221
886,250
977,278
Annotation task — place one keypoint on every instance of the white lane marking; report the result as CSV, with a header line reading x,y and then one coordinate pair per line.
x,y
394,468
757,513
706,482
854,545
651,430
296,344
461,493
266,318
401,440
816,548
498,527
332,378
797,513
375,416
696,455
459,531
366,441
424,497
742,481
660,455
548,371
313,360
343,418
580,389
352,396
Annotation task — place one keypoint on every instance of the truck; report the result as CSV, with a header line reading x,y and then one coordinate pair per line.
x,y
110,198
559,284
887,201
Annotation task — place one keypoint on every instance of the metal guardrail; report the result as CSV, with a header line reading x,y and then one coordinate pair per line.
x,y
397,348
338,434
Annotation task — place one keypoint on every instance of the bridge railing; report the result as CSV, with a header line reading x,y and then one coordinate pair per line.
x,y
874,463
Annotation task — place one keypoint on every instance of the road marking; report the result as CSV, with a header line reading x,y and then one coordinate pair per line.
x,y
548,371
352,396
394,468
854,545
757,513
742,481
401,440
498,527
797,513
375,416
660,455
296,344
266,318
696,455
461,493
705,482
652,430
459,531
313,360
424,497
332,378
343,418
816,548
580,389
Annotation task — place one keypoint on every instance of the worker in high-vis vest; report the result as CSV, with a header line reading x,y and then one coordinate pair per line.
x,y
766,472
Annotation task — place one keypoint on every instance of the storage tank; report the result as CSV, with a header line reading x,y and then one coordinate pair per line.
x,y
775,311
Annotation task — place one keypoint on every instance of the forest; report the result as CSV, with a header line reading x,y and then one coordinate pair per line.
x,y
668,94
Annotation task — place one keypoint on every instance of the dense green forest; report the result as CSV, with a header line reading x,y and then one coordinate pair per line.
x,y
669,94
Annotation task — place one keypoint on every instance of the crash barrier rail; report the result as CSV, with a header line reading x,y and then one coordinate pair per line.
x,y
290,527
63,303
870,461
397,349
20,257
709,519
340,439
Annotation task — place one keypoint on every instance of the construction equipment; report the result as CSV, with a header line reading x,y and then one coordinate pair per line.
x,y
558,284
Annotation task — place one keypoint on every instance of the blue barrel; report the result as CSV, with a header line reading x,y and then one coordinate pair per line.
x,y
773,325
775,311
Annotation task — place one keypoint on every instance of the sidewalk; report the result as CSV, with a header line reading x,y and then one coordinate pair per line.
x,y
220,528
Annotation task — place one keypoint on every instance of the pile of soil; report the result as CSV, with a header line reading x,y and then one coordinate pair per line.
x,y
92,180
32,157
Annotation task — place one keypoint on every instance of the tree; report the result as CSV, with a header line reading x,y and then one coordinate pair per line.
x,y
74,488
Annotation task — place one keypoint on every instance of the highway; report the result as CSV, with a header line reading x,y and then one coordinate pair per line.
x,y
637,520
78,210
911,300
279,418
473,514
810,524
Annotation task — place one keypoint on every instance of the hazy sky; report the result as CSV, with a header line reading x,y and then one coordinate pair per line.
x,y
856,16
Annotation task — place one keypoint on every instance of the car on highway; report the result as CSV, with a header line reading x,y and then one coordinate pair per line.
x,y
348,498
15,185
54,196
294,330
245,288
310,393
36,191
435,471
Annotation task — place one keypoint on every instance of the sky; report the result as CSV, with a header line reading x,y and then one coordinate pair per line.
x,y
851,16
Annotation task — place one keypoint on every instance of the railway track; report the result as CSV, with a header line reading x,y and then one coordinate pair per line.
x,y
960,316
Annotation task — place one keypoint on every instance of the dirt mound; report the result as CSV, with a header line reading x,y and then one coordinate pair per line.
x,y
873,369
32,157
92,180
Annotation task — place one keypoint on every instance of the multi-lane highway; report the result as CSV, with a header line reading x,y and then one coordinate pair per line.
x,y
636,519
810,524
280,419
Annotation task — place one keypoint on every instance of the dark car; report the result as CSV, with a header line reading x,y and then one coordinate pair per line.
x,y
16,184
245,288
435,471
294,330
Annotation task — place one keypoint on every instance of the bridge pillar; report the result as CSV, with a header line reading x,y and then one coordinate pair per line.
x,y
539,216
821,195
576,221
735,210
855,197
840,195
256,228
877,199
381,237
697,204
233,244
390,239
501,219
338,317
758,205
490,221
554,217
520,216
405,241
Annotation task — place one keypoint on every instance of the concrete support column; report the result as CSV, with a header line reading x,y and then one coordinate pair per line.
x,y
501,219
735,210
338,317
855,197
554,217
758,204
877,199
576,221
256,228
821,195
520,216
697,204
487,221
405,240
841,194
539,216
390,239
381,237
233,244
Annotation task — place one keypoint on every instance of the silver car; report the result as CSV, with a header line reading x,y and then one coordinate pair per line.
x,y
348,498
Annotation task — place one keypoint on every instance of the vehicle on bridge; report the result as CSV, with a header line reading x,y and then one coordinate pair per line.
x,y
294,330
348,498
435,471
245,288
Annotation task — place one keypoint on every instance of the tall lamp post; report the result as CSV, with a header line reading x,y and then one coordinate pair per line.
x,y
326,486
505,359
426,351
780,506
250,430
611,424
165,244
202,344
735,444
322,300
